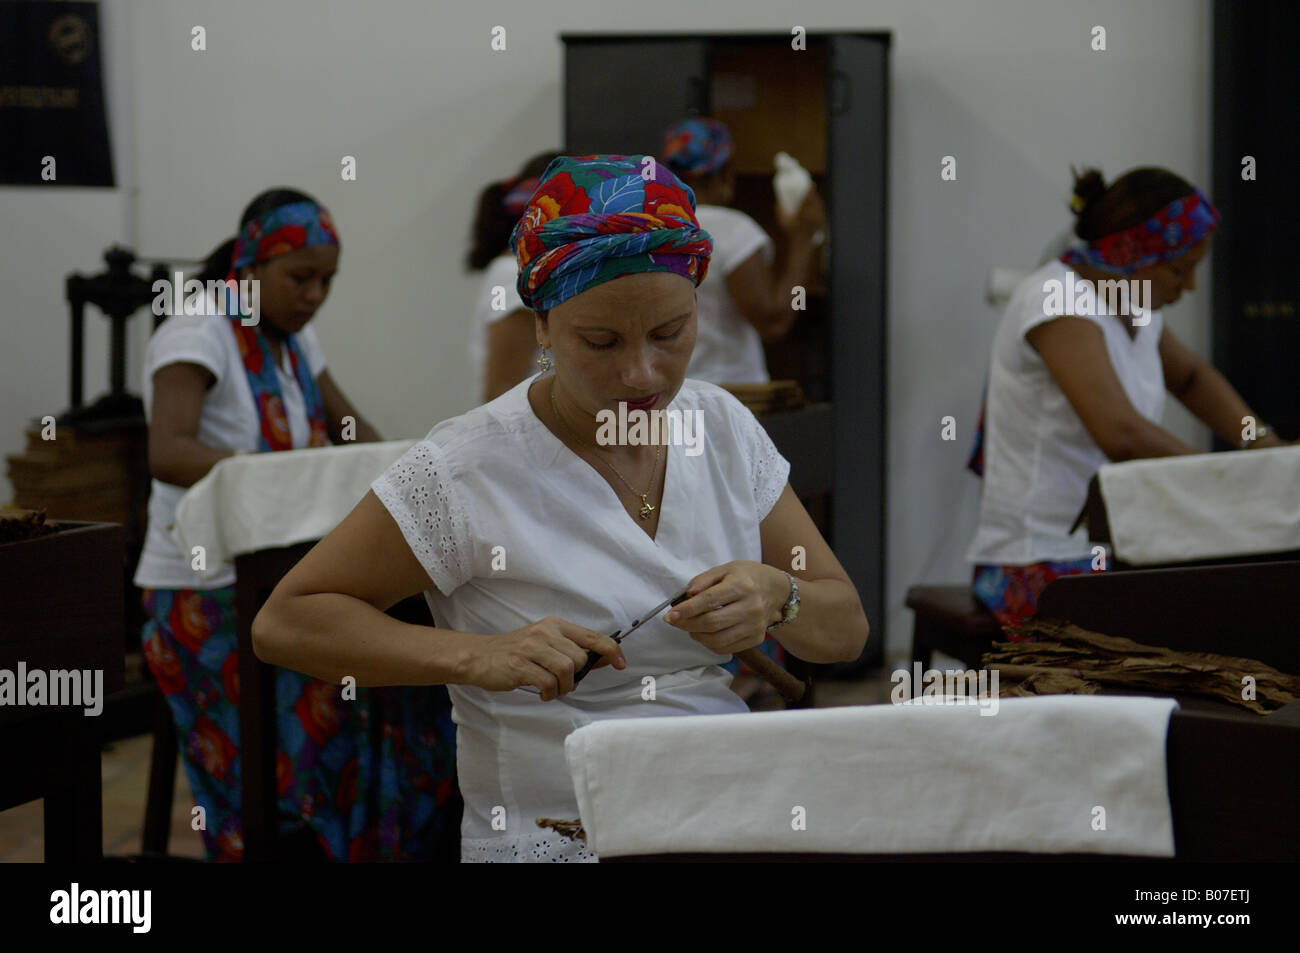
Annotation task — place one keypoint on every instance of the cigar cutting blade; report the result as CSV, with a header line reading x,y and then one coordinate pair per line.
x,y
594,657
670,601
619,636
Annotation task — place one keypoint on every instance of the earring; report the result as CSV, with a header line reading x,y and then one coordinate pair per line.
x,y
545,362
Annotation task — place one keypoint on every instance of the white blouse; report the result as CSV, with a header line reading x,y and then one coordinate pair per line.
x,y
228,420
728,349
1038,455
512,526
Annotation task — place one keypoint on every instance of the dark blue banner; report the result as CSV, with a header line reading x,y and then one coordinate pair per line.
x,y
52,125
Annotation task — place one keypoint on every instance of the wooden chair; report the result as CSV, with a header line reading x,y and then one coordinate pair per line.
x,y
257,574
140,708
951,620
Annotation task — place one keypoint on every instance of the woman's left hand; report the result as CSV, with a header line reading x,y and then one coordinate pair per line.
x,y
1269,441
732,605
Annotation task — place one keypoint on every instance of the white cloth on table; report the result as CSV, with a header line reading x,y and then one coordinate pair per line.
x,y
1038,455
728,349
265,500
512,527
882,779
228,420
1205,506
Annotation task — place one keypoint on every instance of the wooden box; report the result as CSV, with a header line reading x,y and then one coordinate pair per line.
x,y
61,605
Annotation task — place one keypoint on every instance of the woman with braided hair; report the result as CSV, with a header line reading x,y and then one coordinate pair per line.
x,y
501,344
368,778
1082,361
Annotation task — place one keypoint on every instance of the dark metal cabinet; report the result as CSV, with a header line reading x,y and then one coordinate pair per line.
x,y
1256,323
620,92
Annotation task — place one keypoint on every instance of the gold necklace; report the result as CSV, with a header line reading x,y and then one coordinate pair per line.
x,y
647,508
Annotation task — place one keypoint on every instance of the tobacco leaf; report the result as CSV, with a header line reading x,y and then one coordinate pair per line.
x,y
24,524
1050,683
1096,658
571,829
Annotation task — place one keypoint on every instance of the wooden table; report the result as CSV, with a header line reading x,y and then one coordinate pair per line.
x,y
61,605
1233,775
1095,518
1232,784
256,575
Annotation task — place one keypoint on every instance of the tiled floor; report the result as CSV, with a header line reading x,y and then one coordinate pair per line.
x,y
126,781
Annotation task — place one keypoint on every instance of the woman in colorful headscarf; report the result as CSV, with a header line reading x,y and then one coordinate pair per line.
x,y
362,779
535,534
1080,368
746,298
502,347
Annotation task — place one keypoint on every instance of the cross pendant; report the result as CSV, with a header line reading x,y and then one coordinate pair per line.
x,y
646,508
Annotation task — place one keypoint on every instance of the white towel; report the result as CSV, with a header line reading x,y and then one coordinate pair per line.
x,y
264,500
1042,775
1203,506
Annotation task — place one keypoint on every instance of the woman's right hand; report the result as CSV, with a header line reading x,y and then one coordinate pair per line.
x,y
808,219
544,655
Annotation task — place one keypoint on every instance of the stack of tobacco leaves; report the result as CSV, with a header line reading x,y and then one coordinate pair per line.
x,y
770,397
1066,659
17,525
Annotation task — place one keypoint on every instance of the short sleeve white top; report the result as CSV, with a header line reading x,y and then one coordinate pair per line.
x,y
1038,455
511,527
728,349
228,420
502,272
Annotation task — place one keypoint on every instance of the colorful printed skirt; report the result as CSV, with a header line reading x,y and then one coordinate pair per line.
x,y
1011,592
374,778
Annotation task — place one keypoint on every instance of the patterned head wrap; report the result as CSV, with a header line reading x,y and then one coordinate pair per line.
x,y
283,230
596,218
278,232
1166,235
697,146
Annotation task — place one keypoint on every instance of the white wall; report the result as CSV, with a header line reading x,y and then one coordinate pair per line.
x,y
285,89
47,232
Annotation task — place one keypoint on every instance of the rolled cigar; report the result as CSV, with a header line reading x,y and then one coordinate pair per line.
x,y
791,689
